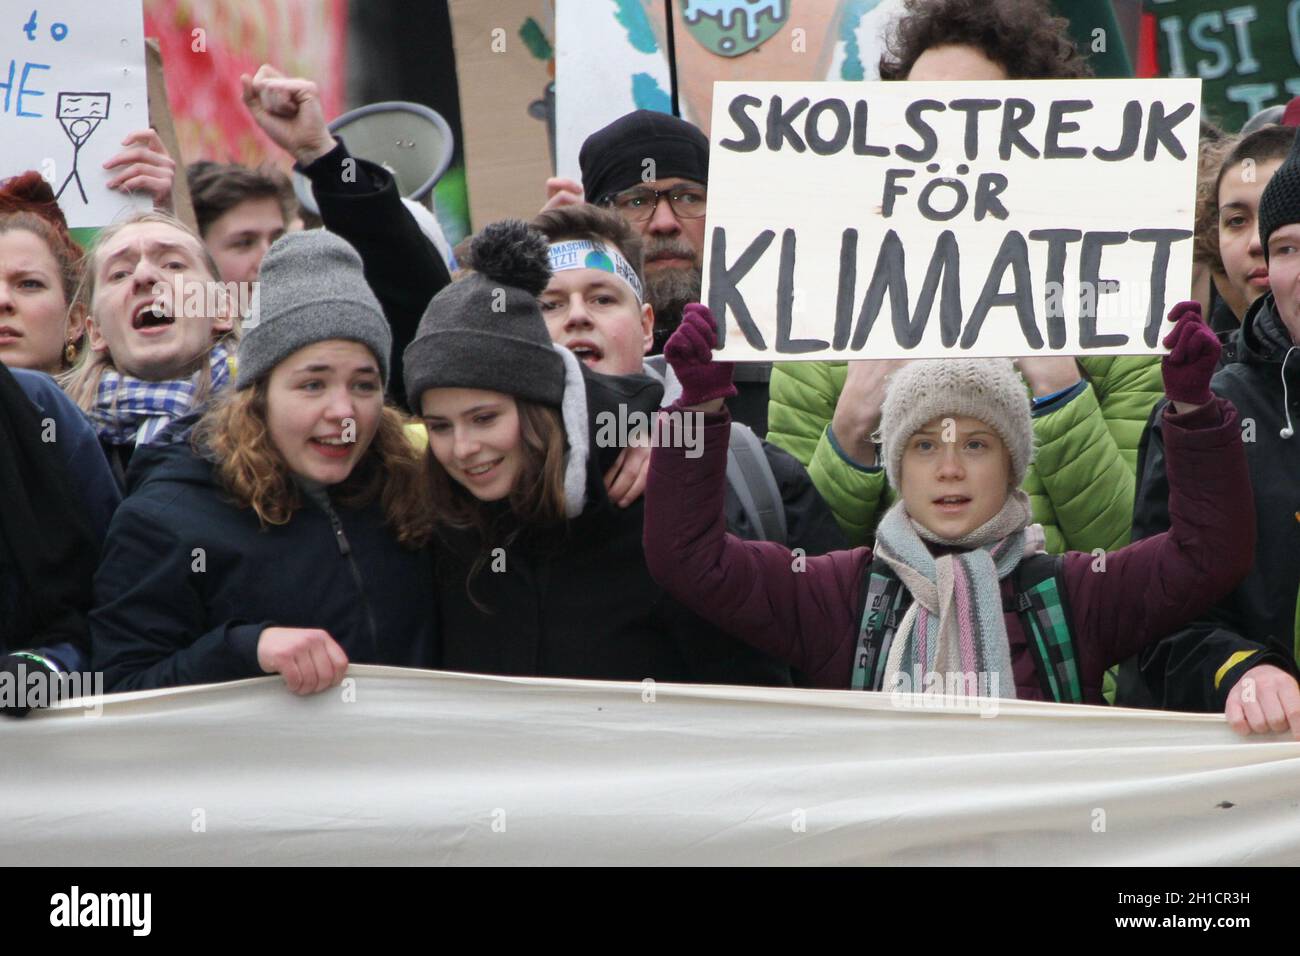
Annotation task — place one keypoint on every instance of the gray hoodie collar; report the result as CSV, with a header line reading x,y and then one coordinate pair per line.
x,y
573,408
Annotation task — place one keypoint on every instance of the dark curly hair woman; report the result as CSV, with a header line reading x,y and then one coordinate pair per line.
x,y
982,40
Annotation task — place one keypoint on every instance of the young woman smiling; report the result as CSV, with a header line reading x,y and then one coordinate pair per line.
x,y
539,571
300,469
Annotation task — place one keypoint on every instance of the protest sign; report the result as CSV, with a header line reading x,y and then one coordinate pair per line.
x,y
504,67
920,220
1247,53
72,86
613,56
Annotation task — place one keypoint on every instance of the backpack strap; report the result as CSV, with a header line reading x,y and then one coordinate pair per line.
x,y
1039,600
882,596
750,476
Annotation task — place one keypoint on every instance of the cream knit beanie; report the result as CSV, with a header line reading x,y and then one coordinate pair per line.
x,y
987,389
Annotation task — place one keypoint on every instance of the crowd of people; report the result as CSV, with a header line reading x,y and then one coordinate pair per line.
x,y
391,454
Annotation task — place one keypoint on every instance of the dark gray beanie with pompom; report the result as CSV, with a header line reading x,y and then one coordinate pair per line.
x,y
486,330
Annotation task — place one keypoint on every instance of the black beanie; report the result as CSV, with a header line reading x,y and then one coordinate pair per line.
x,y
613,159
1280,203
486,330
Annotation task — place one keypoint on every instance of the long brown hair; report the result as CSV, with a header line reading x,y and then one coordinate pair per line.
x,y
234,432
81,382
536,500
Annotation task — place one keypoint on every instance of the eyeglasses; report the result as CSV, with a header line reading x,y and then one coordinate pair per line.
x,y
639,203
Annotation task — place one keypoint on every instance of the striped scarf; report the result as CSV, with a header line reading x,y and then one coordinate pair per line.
x,y
130,410
954,625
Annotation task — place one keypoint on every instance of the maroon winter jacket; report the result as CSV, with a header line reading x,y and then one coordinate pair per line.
x,y
810,618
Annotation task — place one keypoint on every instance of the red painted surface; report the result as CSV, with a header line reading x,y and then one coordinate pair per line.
x,y
298,37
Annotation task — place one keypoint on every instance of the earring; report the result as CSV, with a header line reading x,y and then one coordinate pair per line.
x,y
70,353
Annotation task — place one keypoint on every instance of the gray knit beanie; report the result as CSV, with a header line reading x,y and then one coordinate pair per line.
x,y
310,288
987,389
486,330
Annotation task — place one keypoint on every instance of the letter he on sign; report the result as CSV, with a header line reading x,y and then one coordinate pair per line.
x,y
983,219
71,90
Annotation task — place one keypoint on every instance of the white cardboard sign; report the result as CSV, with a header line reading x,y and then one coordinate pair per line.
x,y
920,220
72,86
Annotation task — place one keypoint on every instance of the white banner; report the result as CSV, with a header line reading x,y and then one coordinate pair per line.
x,y
414,767
918,220
72,86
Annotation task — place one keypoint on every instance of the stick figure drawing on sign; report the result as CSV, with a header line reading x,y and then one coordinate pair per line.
x,y
80,115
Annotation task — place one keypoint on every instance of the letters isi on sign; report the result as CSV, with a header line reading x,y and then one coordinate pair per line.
x,y
893,220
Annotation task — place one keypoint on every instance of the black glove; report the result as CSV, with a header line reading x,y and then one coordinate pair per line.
x,y
15,671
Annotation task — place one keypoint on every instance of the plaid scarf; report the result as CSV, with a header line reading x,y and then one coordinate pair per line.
x,y
954,625
130,410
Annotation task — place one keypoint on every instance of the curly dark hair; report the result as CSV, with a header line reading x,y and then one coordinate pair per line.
x,y
1023,36
1209,171
1264,145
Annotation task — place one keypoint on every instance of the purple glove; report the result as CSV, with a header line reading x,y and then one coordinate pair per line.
x,y
1193,354
689,351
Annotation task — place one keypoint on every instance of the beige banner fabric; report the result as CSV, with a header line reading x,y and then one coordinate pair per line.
x,y
419,767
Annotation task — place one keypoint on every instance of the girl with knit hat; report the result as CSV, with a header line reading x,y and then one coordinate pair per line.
x,y
955,587
286,535
1088,413
539,571
41,321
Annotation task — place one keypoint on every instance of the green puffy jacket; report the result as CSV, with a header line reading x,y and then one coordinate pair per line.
x,y
1081,482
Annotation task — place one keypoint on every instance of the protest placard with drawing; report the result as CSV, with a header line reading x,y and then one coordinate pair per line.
x,y
72,87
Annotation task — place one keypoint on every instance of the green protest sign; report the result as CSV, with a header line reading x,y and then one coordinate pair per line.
x,y
1247,54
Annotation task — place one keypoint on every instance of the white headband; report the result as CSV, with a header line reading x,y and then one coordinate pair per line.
x,y
586,254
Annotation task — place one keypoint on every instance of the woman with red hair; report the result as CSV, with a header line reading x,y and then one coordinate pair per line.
x,y
41,323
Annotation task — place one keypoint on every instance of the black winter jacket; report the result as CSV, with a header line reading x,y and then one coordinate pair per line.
x,y
1196,668
56,487
188,581
578,601
361,204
